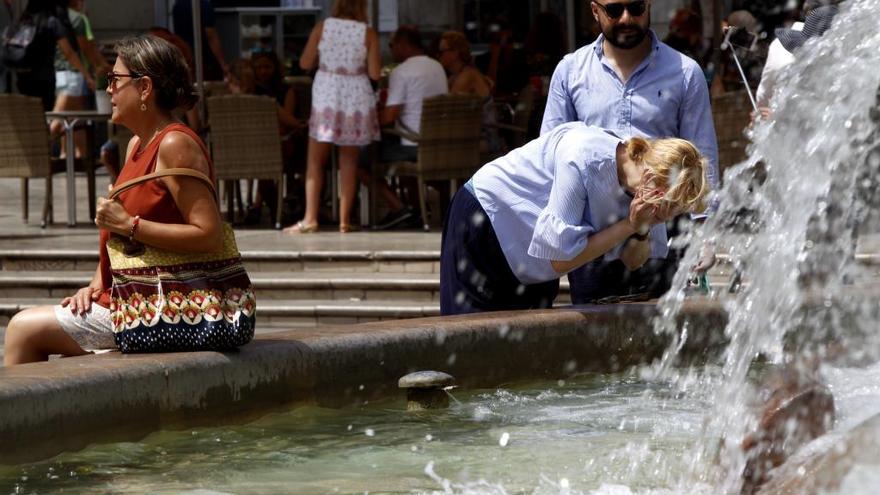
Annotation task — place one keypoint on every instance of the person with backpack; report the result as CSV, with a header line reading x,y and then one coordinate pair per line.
x,y
29,48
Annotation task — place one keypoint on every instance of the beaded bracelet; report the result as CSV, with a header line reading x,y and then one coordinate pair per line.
x,y
134,226
639,237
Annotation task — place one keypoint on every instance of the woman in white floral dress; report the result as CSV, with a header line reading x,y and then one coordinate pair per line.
x,y
346,52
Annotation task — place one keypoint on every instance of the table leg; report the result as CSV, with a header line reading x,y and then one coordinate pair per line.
x,y
71,173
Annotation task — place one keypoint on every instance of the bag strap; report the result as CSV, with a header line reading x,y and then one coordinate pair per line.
x,y
187,172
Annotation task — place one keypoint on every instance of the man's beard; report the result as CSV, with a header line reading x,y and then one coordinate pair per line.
x,y
626,36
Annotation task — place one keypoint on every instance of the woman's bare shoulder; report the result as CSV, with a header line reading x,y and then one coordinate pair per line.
x,y
179,150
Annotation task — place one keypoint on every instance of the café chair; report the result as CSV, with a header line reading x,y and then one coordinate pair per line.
x,y
448,144
245,143
25,152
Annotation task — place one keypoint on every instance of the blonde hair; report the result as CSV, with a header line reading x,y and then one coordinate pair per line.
x,y
459,44
676,166
355,10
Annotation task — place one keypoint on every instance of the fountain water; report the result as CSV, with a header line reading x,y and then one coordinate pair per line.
x,y
821,153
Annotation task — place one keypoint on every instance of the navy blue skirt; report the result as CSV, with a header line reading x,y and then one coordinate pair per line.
x,y
474,274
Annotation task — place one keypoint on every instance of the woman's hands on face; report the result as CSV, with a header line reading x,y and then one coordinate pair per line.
x,y
111,215
81,302
641,215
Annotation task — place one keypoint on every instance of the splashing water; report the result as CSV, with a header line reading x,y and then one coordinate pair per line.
x,y
821,153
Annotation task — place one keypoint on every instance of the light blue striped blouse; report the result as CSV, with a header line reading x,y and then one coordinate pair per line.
x,y
545,198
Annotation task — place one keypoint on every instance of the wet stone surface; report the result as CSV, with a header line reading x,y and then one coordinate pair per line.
x,y
426,379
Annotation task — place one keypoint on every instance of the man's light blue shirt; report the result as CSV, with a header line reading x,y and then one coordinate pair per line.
x,y
546,198
666,96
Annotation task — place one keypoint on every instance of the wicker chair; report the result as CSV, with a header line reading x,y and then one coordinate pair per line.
x,y
245,143
24,151
448,143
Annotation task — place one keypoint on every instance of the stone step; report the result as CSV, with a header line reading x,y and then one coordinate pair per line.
x,y
290,286
338,261
305,313
343,261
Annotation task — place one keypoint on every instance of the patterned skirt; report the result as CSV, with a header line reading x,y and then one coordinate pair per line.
x,y
343,110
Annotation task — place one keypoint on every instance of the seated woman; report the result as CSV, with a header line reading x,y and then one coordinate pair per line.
x,y
454,53
149,81
268,80
573,195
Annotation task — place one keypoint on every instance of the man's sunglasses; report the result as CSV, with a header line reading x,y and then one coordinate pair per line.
x,y
615,10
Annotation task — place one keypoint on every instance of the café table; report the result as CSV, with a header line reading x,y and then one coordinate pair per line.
x,y
70,118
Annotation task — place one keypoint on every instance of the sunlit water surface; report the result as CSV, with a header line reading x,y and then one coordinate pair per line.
x,y
551,437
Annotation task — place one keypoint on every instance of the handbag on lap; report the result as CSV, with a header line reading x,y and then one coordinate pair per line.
x,y
163,301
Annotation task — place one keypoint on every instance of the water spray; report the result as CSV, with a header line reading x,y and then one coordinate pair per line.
x,y
726,44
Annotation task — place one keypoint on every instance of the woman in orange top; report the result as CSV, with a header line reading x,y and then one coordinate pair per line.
x,y
149,81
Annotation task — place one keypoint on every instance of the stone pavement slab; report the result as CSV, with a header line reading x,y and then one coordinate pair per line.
x,y
16,235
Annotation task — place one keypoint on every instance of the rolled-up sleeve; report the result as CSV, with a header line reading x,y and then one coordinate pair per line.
x,y
560,108
560,233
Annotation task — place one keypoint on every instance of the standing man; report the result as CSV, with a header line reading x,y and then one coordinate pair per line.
x,y
631,83
214,63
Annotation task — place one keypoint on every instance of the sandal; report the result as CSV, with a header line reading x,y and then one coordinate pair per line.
x,y
301,228
345,228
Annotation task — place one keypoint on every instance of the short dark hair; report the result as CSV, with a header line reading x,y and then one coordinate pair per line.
x,y
410,35
165,65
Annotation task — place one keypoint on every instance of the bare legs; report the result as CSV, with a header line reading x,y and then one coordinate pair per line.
x,y
348,166
318,154
56,128
34,334
317,157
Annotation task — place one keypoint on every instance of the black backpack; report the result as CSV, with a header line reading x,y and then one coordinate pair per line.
x,y
17,40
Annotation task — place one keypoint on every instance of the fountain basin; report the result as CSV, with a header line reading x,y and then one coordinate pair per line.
x,y
66,404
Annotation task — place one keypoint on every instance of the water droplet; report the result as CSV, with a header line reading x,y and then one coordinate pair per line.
x,y
503,329
560,383
451,359
429,437
459,297
360,387
370,432
348,428
477,219
413,448
563,483
504,440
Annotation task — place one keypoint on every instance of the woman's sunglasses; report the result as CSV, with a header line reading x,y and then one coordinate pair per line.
x,y
112,77
615,10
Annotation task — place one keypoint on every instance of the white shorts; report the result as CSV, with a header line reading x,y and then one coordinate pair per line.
x,y
93,330
70,82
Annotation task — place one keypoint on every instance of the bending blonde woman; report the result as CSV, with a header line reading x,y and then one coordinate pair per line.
x,y
574,195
